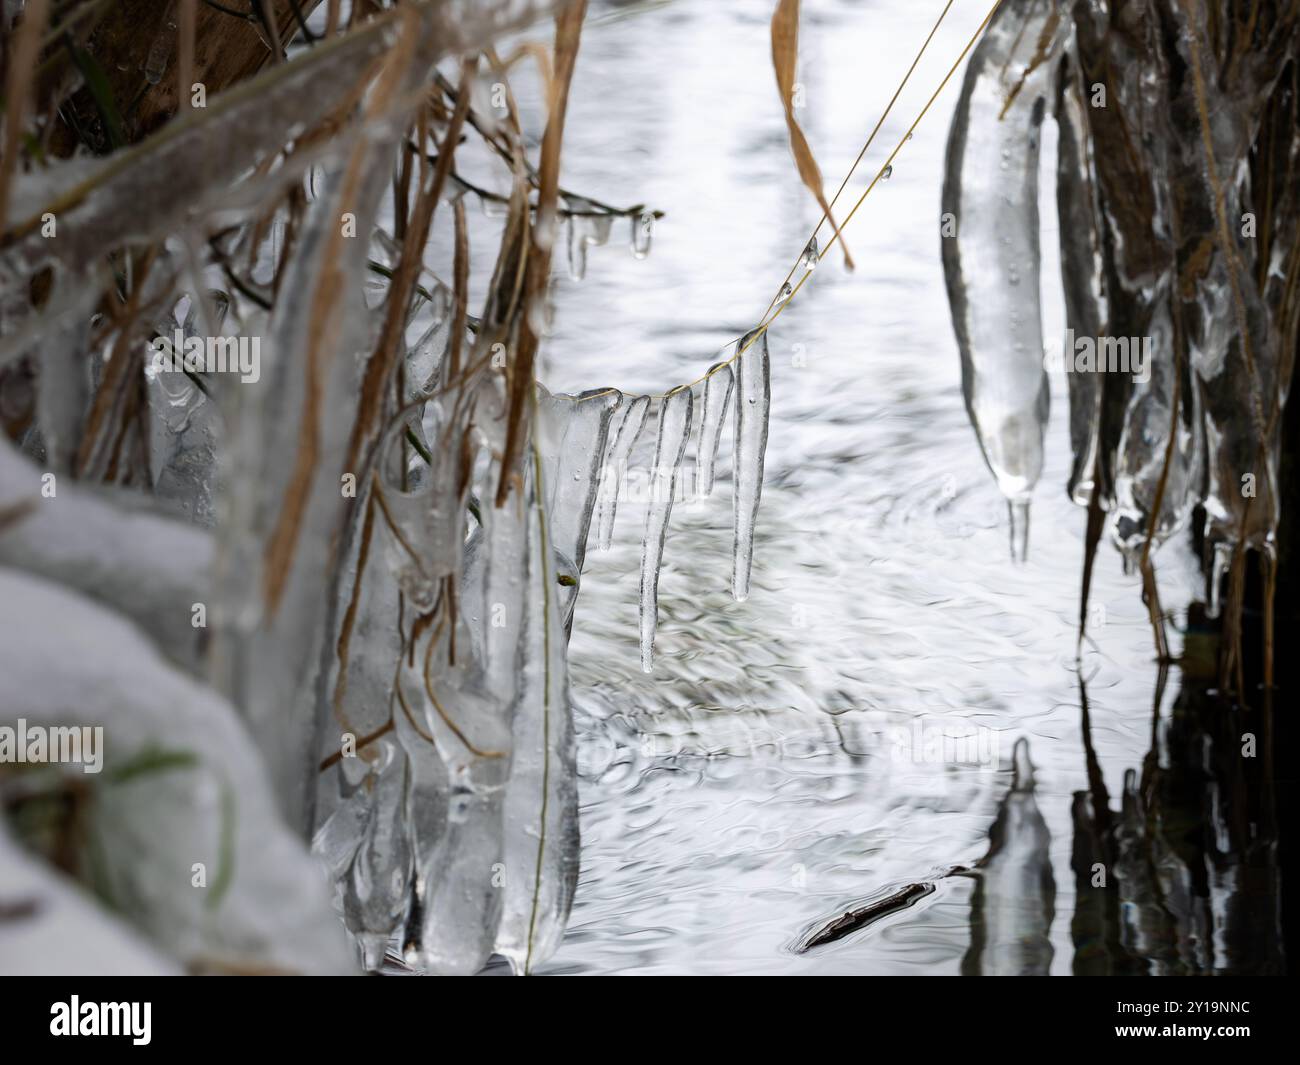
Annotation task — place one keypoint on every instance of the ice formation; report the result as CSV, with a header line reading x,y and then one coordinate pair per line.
x,y
674,430
753,405
317,566
627,427
717,395
1178,351
991,259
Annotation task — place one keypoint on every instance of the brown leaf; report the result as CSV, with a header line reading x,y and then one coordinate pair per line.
x,y
785,54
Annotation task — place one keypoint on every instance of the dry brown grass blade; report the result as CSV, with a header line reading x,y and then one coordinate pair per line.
x,y
568,34
460,270
22,60
785,56
117,373
380,367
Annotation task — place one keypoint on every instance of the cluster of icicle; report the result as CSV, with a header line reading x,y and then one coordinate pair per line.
x,y
458,832
401,668
1162,157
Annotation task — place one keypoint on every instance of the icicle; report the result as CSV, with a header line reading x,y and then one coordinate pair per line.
x,y
753,404
463,697
674,429
428,802
996,318
459,740
577,251
717,394
571,434
541,826
1144,466
588,227
1082,275
1233,342
363,830
623,433
787,290
642,231
375,893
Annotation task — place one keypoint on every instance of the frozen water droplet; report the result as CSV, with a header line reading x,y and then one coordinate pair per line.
x,y
887,173
787,290
810,257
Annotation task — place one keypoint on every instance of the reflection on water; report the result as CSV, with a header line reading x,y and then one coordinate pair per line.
x,y
1193,847
1015,896
754,787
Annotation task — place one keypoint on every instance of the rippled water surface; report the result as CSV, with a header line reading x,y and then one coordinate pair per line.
x,y
751,787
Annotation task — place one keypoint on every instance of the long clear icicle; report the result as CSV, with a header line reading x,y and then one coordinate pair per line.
x,y
717,394
541,824
469,702
753,404
674,430
622,435
572,433
459,829
992,261
375,889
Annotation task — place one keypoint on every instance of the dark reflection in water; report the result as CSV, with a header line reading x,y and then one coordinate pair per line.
x,y
1015,895
1183,879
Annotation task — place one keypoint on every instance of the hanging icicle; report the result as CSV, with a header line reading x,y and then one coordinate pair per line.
x,y
991,252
